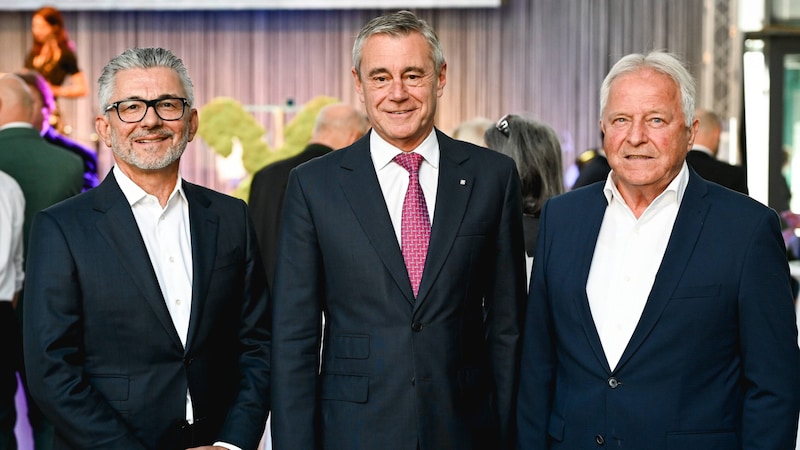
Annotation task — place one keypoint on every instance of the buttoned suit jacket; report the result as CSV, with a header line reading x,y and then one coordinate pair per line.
x,y
398,373
713,361
103,358
266,202
720,172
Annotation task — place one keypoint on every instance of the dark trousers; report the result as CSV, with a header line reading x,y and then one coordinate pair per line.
x,y
183,435
10,364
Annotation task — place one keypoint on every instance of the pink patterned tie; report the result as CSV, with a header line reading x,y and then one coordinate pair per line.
x,y
415,225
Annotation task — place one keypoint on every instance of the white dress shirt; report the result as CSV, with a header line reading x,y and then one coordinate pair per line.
x,y
12,216
16,125
167,237
393,178
626,259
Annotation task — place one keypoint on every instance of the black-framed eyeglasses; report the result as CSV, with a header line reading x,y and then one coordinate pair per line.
x,y
132,111
502,125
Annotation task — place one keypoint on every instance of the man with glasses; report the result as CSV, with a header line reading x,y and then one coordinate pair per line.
x,y
146,304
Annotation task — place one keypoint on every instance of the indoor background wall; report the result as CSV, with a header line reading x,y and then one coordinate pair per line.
x,y
544,58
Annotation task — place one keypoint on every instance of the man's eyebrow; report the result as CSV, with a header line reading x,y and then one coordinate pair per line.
x,y
376,71
381,70
160,97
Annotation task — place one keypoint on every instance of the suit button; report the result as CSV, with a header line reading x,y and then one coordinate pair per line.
x,y
599,439
613,383
416,326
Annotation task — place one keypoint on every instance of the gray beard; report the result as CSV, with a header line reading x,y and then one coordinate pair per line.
x,y
132,158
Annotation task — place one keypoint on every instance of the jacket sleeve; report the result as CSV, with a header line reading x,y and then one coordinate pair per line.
x,y
296,325
768,335
247,416
504,301
53,348
538,363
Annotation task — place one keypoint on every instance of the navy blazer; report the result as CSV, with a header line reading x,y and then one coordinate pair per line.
x,y
438,372
713,361
103,358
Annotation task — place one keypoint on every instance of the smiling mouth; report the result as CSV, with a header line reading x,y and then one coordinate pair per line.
x,y
151,140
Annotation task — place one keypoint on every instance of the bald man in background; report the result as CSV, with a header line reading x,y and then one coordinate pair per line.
x,y
46,174
703,155
337,126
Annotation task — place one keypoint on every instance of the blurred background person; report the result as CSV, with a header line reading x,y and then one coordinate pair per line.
x,y
535,147
337,126
473,130
592,167
53,55
12,210
703,155
45,173
44,107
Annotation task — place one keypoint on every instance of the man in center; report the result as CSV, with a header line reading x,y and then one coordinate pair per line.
x,y
419,276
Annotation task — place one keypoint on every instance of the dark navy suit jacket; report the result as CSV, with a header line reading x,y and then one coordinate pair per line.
x,y
103,358
438,372
713,361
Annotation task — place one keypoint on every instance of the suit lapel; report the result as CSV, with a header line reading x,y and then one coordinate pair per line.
x,y
118,227
683,239
592,219
452,196
360,185
204,226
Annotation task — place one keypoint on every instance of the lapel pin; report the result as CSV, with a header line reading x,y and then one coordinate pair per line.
x,y
463,182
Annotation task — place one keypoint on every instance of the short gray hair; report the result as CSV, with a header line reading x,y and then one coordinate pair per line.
x,y
662,62
401,23
141,58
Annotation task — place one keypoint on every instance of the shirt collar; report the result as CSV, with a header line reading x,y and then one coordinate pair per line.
x,y
677,186
16,125
383,152
133,193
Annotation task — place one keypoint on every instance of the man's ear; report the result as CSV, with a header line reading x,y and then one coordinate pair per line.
x,y
359,87
103,129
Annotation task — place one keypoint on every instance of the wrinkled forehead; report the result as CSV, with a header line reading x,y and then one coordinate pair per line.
x,y
386,52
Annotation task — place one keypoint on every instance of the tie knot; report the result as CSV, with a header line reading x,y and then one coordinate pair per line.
x,y
409,160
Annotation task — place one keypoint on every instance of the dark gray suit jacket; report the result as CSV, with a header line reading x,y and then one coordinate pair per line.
x,y
266,202
103,358
713,361
438,372
720,172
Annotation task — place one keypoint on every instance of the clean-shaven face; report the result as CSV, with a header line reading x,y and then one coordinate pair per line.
x,y
646,138
399,88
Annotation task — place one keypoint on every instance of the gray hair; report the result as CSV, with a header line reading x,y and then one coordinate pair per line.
x,y
141,58
401,23
535,147
662,62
